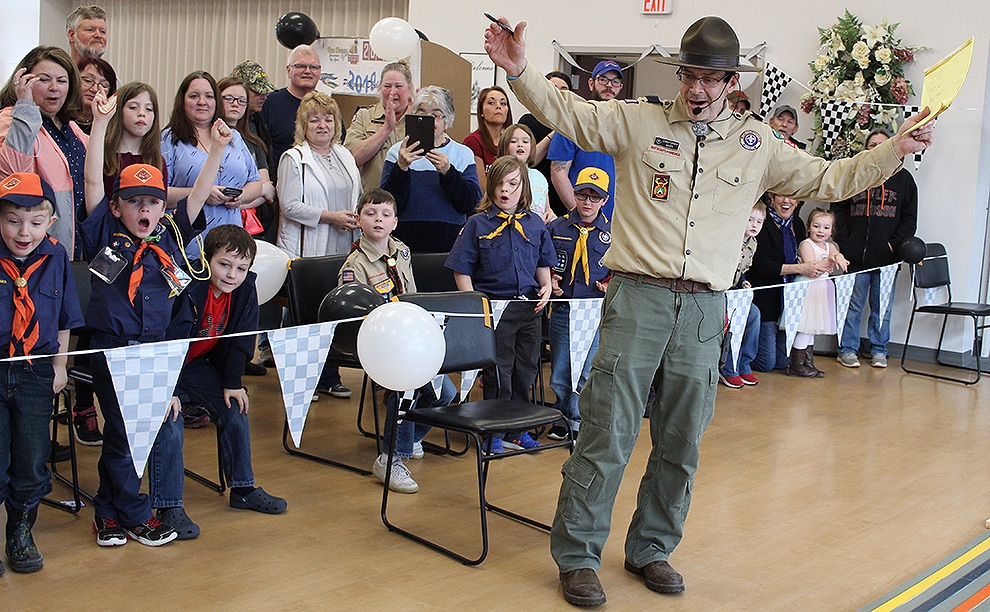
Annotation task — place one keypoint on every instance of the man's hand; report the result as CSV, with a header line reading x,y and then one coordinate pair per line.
x,y
508,51
918,140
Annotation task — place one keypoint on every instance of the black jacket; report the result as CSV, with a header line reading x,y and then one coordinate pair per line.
x,y
230,355
871,225
766,266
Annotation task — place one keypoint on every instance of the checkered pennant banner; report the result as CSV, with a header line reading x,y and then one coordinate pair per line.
x,y
790,318
775,81
582,327
843,293
144,377
909,111
300,353
737,304
931,296
834,114
468,378
887,276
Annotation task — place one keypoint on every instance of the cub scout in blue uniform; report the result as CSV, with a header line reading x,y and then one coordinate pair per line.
x,y
505,251
136,280
383,262
580,239
38,307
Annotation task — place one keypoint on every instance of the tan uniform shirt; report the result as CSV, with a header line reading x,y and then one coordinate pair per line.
x,y
366,122
366,265
682,202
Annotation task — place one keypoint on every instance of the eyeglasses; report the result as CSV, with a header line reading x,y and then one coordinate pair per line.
x,y
706,82
604,80
89,81
594,198
313,67
438,115
234,100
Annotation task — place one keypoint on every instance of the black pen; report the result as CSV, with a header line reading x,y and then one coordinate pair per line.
x,y
500,24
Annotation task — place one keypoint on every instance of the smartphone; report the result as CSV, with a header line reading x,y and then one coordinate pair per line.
x,y
232,192
419,128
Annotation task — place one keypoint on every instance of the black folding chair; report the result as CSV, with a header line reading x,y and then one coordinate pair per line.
x,y
470,344
309,281
933,273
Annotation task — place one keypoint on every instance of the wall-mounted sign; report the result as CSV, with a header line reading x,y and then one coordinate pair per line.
x,y
657,7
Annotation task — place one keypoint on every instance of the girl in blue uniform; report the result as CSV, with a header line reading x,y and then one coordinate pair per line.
x,y
505,251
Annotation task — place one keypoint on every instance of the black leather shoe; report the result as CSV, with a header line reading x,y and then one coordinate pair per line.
x,y
660,577
582,587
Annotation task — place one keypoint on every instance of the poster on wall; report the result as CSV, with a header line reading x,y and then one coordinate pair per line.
x,y
351,68
482,75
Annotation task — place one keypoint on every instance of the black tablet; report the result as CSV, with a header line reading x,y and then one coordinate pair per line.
x,y
419,128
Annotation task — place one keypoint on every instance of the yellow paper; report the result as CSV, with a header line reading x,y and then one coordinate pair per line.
x,y
944,80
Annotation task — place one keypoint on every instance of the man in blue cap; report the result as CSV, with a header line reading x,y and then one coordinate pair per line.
x,y
567,160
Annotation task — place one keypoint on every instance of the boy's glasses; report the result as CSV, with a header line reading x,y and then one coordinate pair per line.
x,y
594,198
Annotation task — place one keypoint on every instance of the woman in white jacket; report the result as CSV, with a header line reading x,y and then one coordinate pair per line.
x,y
318,190
318,184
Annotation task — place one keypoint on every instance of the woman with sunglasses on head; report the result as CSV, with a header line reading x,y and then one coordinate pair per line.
x,y
96,75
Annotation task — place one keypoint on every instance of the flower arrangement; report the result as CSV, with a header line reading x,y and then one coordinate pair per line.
x,y
864,65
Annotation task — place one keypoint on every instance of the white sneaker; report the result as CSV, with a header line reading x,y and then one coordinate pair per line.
x,y
418,451
878,360
850,360
401,480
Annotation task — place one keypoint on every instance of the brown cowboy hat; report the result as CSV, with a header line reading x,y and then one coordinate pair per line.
x,y
710,44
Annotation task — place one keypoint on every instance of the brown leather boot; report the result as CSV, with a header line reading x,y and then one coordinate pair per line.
x,y
809,361
798,367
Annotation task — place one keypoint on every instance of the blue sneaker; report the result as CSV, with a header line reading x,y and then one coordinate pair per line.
x,y
523,441
494,447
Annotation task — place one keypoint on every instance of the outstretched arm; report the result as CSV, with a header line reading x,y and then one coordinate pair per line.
x,y
95,151
508,51
220,135
918,140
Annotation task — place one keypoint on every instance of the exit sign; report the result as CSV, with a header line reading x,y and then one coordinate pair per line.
x,y
656,7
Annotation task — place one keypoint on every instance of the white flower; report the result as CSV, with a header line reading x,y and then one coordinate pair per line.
x,y
860,79
850,92
881,78
860,51
883,55
836,44
825,84
884,114
874,34
864,63
820,62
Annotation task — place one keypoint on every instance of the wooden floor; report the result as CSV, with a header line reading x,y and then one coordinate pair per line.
x,y
811,495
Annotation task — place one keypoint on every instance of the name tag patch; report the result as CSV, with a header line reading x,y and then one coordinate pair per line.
x,y
661,187
673,145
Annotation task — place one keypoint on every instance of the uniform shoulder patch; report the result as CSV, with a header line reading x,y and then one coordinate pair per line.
x,y
347,276
605,237
750,140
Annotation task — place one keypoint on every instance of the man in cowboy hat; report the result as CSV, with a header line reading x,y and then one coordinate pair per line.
x,y
688,172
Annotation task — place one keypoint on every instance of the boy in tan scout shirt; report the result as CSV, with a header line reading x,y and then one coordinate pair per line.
x,y
384,263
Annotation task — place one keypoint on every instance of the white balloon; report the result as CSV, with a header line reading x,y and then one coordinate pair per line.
x,y
400,346
393,38
271,264
746,79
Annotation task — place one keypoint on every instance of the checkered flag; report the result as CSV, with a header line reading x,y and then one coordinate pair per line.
x,y
843,293
468,378
793,305
144,377
737,304
300,353
910,111
775,81
931,296
582,326
834,114
887,276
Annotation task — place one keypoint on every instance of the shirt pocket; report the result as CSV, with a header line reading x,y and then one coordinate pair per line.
x,y
494,257
735,190
663,162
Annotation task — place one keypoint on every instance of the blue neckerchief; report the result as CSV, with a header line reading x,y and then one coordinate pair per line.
x,y
790,240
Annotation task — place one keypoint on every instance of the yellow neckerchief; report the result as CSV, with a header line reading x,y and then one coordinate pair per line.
x,y
581,250
511,220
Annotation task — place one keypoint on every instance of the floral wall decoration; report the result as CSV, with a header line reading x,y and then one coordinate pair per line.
x,y
857,84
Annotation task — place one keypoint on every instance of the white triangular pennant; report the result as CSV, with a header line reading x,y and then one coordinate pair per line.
x,y
790,318
300,353
144,377
887,276
737,305
582,326
468,378
843,293
931,296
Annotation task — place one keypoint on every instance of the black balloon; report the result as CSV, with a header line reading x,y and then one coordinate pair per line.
x,y
912,250
294,28
346,302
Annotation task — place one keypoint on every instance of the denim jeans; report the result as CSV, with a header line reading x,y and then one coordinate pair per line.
x,y
119,495
560,364
771,353
200,382
748,349
877,332
26,401
409,432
